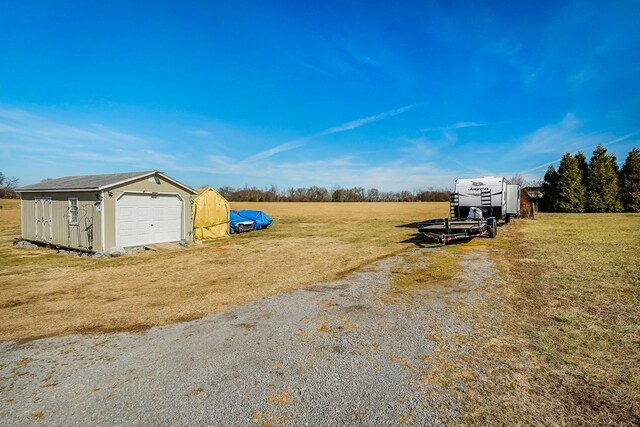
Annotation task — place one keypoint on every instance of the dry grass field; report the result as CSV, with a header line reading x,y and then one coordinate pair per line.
x,y
574,296
557,341
554,340
45,294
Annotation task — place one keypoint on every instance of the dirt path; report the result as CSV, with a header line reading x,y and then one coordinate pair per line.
x,y
357,351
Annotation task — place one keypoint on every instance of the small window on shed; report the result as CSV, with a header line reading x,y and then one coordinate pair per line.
x,y
73,211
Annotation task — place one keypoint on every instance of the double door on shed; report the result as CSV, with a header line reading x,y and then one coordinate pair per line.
x,y
44,216
143,219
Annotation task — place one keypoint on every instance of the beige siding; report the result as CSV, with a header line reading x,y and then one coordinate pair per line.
x,y
28,214
63,233
146,186
99,210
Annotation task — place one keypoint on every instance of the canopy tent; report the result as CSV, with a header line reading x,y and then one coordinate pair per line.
x,y
260,219
210,215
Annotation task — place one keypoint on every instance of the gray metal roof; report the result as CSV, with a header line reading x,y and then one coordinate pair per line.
x,y
91,182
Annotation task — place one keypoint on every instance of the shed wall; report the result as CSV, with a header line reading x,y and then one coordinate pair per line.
x,y
63,233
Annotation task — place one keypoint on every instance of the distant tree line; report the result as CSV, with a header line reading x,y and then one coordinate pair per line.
x,y
595,186
336,194
8,186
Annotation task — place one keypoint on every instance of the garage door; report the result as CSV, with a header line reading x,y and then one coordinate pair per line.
x,y
144,219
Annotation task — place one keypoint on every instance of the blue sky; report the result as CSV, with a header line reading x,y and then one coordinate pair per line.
x,y
393,95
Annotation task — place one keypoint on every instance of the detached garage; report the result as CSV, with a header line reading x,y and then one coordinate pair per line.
x,y
98,212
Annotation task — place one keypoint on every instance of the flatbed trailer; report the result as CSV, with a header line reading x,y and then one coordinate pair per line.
x,y
447,230
475,207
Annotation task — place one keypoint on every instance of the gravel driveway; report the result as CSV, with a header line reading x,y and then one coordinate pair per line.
x,y
337,353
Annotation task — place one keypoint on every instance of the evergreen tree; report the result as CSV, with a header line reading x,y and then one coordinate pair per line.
x,y
550,189
630,182
614,164
570,190
583,166
602,183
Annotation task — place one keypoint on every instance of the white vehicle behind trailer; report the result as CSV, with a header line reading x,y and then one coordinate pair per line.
x,y
492,194
475,208
513,201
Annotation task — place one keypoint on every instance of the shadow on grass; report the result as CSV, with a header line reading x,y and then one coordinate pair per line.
x,y
413,224
421,241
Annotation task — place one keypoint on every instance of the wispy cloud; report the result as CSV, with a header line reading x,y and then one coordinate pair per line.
x,y
355,53
510,51
313,68
329,131
425,148
458,125
366,120
461,125
278,149
14,114
24,132
560,137
582,76
421,147
199,132
30,127
343,171
590,147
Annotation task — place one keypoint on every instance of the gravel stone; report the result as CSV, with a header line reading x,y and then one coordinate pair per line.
x,y
329,354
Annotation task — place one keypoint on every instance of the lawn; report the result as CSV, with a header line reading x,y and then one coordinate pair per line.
x,y
575,292
45,294
553,338
556,341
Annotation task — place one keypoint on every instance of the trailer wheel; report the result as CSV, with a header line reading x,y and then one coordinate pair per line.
x,y
493,227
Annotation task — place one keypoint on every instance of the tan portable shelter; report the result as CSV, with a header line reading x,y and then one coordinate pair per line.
x,y
210,215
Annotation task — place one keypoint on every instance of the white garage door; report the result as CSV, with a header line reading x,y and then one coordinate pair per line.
x,y
144,219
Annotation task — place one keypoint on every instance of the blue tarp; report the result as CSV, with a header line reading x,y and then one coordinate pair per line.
x,y
259,218
236,223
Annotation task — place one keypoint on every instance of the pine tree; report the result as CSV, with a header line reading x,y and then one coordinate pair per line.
x,y
583,166
630,182
602,183
550,189
614,164
570,190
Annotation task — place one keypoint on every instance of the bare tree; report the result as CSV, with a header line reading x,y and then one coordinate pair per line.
x,y
517,179
321,194
339,195
373,195
8,186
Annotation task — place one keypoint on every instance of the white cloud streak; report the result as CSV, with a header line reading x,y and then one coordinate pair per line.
x,y
199,132
332,130
364,121
38,129
458,125
277,149
613,141
559,137
93,147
